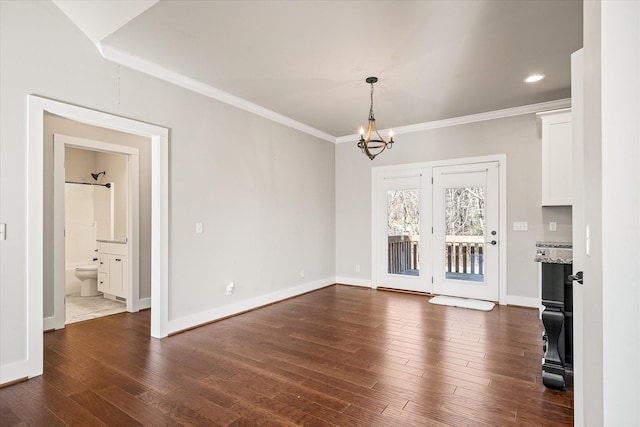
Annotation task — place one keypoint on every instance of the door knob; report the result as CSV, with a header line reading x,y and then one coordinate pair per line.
x,y
577,277
493,242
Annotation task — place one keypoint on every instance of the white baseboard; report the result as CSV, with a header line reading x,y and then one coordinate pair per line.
x,y
523,301
14,371
144,303
353,282
187,322
48,323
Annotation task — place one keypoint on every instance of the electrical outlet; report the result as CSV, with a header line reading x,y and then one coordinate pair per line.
x,y
553,226
357,268
302,274
230,287
199,227
520,226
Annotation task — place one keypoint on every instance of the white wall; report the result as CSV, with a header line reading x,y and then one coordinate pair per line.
x,y
80,164
264,192
115,166
79,225
515,136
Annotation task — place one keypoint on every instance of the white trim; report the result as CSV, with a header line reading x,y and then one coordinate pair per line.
x,y
98,23
142,65
58,255
502,213
37,106
133,231
523,301
35,243
61,141
353,281
49,323
103,147
193,320
13,371
480,117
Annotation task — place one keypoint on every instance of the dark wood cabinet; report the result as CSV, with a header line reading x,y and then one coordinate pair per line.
x,y
557,318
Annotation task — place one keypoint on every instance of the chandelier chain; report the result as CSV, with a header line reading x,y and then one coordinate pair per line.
x,y
371,116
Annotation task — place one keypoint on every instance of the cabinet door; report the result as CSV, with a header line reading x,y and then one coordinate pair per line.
x,y
557,169
103,282
116,271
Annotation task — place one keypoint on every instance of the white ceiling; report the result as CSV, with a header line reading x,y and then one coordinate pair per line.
x,y
307,60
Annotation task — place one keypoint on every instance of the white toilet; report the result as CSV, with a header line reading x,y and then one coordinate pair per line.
x,y
88,274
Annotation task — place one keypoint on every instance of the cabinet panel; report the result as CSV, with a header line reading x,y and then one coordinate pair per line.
x,y
103,282
113,271
115,275
557,167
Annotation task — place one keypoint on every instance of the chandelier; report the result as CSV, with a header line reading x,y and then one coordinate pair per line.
x,y
373,147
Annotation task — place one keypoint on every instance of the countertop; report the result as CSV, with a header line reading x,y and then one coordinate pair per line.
x,y
566,245
120,241
554,252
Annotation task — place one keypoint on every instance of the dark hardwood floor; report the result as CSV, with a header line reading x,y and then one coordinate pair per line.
x,y
341,356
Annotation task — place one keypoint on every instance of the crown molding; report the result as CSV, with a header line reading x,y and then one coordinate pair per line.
x,y
98,20
136,63
480,117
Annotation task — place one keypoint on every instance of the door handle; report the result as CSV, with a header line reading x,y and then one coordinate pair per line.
x,y
493,242
577,277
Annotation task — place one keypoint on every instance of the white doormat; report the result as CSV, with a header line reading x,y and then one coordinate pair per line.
x,y
473,304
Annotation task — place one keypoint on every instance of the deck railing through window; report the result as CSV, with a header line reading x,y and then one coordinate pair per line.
x,y
404,254
464,256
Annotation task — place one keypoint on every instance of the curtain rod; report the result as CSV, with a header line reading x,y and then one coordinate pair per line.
x,y
108,184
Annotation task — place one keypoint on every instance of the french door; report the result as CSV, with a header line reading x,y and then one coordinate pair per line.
x,y
466,231
436,229
401,228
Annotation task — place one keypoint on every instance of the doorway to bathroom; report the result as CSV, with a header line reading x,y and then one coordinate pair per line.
x,y
95,230
95,207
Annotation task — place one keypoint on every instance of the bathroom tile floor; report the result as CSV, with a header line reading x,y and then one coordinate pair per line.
x,y
85,308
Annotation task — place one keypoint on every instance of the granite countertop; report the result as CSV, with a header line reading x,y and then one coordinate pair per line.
x,y
554,252
566,245
120,241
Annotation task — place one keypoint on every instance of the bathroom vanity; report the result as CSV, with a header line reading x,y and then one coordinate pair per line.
x,y
113,268
556,288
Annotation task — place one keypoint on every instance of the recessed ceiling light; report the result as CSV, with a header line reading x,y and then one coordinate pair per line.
x,y
534,78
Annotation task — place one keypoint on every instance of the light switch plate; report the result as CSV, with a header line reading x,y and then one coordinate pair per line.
x,y
199,227
520,226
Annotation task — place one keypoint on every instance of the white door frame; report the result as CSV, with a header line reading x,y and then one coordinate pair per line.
x,y
484,175
578,230
409,283
37,107
379,171
133,221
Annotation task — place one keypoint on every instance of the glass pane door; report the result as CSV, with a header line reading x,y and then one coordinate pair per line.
x,y
403,231
464,210
401,212
465,231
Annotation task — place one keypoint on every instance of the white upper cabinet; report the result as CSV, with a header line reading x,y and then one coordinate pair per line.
x,y
557,170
